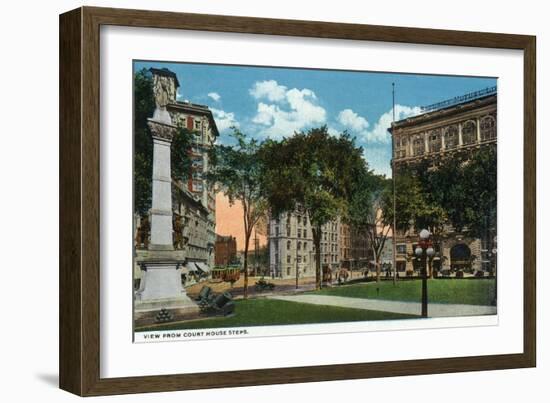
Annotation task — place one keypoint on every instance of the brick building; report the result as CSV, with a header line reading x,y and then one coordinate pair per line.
x,y
226,250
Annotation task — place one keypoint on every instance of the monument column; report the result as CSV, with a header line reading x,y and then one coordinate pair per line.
x,y
161,209
161,286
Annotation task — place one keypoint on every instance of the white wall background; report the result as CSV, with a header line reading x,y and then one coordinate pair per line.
x,y
29,198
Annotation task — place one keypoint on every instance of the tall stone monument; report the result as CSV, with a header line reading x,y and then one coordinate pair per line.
x,y
161,280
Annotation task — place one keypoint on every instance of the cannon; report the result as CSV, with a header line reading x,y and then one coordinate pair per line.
x,y
210,304
205,294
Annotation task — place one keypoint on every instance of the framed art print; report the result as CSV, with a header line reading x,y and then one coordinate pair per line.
x,y
250,201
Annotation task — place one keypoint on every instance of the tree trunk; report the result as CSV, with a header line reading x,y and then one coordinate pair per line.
x,y
377,265
394,252
245,265
317,241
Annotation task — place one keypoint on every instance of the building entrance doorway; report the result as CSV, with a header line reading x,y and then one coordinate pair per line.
x,y
461,257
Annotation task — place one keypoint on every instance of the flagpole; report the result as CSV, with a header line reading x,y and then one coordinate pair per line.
x,y
394,231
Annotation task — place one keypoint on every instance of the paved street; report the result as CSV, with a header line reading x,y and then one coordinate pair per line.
x,y
410,308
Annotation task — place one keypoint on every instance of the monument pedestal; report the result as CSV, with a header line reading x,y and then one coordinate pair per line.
x,y
161,288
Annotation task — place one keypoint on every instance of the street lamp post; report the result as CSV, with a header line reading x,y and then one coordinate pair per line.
x,y
425,251
297,272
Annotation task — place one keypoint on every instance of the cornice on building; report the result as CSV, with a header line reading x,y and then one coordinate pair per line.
x,y
453,114
195,109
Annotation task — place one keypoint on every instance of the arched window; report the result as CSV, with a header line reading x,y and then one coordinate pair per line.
x,y
488,128
418,145
451,136
401,147
469,132
434,140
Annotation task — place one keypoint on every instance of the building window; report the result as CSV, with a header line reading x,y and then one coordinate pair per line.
x,y
288,245
418,145
299,246
401,266
305,233
488,128
451,136
401,147
401,249
435,140
299,233
288,258
288,271
469,134
287,230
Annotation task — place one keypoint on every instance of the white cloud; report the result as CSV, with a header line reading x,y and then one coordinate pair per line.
x,y
379,133
178,94
285,111
379,158
332,131
351,120
224,120
269,90
215,96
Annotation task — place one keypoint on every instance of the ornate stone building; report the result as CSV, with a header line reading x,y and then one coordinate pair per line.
x,y
291,245
454,128
345,246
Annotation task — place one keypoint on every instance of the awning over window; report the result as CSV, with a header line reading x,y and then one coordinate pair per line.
x,y
203,267
188,268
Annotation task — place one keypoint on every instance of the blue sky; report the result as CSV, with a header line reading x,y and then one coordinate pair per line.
x,y
274,102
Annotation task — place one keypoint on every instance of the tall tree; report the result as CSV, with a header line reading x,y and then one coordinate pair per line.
x,y
461,191
237,173
416,207
370,212
144,106
313,171
465,188
481,187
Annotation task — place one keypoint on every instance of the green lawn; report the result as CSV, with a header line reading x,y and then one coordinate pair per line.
x,y
266,312
470,291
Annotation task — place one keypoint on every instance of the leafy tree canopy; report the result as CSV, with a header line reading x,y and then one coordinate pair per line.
x,y
144,106
461,191
312,170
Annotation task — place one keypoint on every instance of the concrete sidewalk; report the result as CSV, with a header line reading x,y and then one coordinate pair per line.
x,y
410,308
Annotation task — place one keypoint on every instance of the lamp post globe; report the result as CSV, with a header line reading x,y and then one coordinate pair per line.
x,y
424,234
418,251
430,251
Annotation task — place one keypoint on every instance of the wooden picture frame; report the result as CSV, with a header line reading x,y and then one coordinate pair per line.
x,y
79,346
